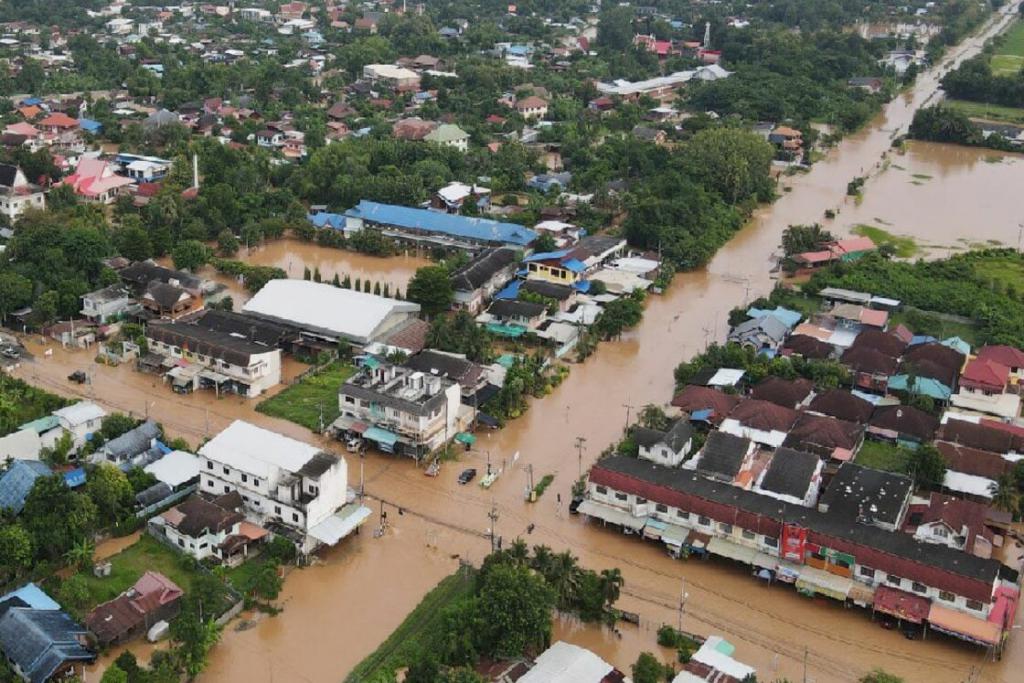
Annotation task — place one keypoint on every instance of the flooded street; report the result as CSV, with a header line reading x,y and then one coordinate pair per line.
x,y
339,611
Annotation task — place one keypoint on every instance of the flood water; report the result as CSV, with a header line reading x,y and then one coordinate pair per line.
x,y
336,613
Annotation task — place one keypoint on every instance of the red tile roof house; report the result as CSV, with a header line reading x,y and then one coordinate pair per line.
x,y
760,421
153,598
1004,355
903,424
95,180
952,522
985,376
694,399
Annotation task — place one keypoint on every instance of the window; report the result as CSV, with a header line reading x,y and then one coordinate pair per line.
x,y
866,572
181,543
975,605
682,514
349,400
640,501
621,496
603,490
227,489
204,545
725,528
209,465
893,579
210,483
703,521
947,596
256,483
295,517
277,510
749,535
940,531
661,508
771,541
919,587
245,479
227,471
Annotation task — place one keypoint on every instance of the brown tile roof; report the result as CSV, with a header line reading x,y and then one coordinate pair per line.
x,y
973,461
788,393
981,436
411,336
842,404
763,415
808,347
693,398
870,360
885,342
199,515
905,420
822,435
955,513
1005,355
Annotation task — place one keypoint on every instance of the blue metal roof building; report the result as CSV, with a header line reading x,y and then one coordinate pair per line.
x,y
407,219
17,482
90,126
41,642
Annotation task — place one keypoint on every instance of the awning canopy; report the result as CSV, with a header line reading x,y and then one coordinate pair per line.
x,y
732,551
964,626
654,528
340,524
674,535
816,581
901,604
381,436
466,438
862,594
697,540
612,515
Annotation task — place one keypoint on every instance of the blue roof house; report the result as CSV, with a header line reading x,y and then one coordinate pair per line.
x,y
90,126
545,182
17,482
436,228
41,644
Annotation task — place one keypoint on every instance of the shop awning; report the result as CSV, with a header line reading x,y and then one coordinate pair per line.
x,y
466,438
340,524
900,604
862,594
674,535
213,376
381,436
697,540
612,515
765,561
816,581
654,528
960,625
732,551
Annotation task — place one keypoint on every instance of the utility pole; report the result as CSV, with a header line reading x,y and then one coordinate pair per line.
x,y
805,664
321,417
493,516
579,452
682,603
629,409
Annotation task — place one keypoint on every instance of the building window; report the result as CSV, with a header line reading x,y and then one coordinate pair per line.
x,y
621,496
227,489
893,579
204,546
771,541
209,465
682,514
210,483
295,517
703,521
661,508
245,479
749,535
256,483
277,510
947,596
640,501
866,572
725,528
919,587
181,543
603,490
940,531
227,471
975,605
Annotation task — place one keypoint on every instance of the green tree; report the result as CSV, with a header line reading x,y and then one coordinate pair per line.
x,y
116,424
880,676
800,238
57,517
431,289
190,255
110,490
514,608
266,582
648,669
612,582
80,554
545,243
15,292
734,162
194,637
927,466
16,553
114,674
227,243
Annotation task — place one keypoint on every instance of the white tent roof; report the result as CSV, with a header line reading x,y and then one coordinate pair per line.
x,y
323,308
175,468
252,449
340,524
24,444
80,413
567,663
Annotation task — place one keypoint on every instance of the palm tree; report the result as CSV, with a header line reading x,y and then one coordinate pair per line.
x,y
1004,494
80,554
542,560
611,585
565,578
519,553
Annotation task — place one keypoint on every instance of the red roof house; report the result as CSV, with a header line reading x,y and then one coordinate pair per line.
x,y
1004,355
985,375
153,598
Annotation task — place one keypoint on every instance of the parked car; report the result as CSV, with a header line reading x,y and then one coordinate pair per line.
x,y
78,377
354,445
9,351
467,475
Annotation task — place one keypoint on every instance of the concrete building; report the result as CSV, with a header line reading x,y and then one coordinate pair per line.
x,y
80,420
392,75
287,486
17,194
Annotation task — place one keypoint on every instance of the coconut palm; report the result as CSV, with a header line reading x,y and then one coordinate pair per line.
x,y
542,560
611,585
519,553
1004,494
565,578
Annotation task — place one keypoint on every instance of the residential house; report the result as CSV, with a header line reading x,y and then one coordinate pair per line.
x,y
795,393
175,470
842,405
209,528
1009,356
548,182
108,304
392,75
96,180
453,196
169,301
760,421
669,448
872,84
17,482
270,138
289,487
227,363
762,334
567,663
953,522
471,377
559,267
985,376
475,283
723,456
449,135
17,195
704,403
135,448
400,409
81,420
649,134
521,315
562,296
412,128
139,275
871,367
153,598
905,425
22,444
532,107
792,475
42,643
868,496
826,437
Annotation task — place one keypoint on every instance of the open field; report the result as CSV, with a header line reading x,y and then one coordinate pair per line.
x,y
903,247
303,401
881,455
989,112
1009,56
1007,271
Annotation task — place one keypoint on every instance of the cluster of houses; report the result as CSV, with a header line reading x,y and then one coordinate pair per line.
x,y
774,480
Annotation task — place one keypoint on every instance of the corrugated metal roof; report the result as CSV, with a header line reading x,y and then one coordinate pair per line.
x,y
478,229
17,482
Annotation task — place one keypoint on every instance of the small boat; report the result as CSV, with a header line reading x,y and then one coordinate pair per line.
x,y
433,469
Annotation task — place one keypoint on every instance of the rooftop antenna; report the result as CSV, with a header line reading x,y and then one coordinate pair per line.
x,y
707,34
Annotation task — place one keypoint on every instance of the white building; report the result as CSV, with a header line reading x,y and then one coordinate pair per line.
x,y
80,420
330,313
406,411
667,448
229,363
107,304
395,76
205,529
255,14
567,663
287,485
17,194
449,135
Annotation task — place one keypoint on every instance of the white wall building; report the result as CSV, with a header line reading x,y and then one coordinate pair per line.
x,y
16,194
80,420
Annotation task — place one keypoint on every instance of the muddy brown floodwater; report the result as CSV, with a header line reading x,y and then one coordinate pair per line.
x,y
294,256
339,611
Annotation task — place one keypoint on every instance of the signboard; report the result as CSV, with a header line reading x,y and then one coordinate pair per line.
x,y
794,538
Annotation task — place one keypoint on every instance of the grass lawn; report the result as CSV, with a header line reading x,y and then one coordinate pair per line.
x,y
904,247
881,455
922,323
414,634
1007,271
989,112
1009,56
301,402
134,561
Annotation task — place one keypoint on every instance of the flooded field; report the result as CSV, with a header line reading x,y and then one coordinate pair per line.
x,y
946,197
337,612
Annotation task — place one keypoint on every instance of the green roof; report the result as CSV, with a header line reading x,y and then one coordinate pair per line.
x,y
446,132
42,424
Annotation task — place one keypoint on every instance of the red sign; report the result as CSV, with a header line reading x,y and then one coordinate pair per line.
x,y
794,538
